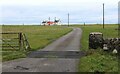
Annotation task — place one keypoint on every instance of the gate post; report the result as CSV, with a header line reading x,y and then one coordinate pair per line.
x,y
20,40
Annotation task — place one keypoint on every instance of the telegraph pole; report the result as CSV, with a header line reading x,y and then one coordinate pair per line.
x,y
118,31
103,17
49,18
49,21
84,23
55,21
119,19
55,18
68,19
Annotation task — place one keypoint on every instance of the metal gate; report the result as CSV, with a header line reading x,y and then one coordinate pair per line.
x,y
14,41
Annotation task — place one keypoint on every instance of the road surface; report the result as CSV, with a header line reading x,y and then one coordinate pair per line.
x,y
69,42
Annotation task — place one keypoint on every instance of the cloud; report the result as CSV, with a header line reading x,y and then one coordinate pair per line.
x,y
28,11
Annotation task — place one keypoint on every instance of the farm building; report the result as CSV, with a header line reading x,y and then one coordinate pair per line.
x,y
55,22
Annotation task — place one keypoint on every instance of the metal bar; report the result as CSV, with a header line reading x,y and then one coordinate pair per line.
x,y
10,33
8,44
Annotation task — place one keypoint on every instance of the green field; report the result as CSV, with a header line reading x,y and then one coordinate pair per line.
x,y
38,37
108,32
98,60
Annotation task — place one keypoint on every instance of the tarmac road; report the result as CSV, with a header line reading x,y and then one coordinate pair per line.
x,y
69,42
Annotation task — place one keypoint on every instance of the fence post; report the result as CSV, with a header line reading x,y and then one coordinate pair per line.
x,y
26,41
20,40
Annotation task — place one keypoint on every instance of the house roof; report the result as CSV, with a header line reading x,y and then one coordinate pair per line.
x,y
50,22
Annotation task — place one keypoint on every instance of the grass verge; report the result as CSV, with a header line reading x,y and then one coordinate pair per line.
x,y
97,60
38,37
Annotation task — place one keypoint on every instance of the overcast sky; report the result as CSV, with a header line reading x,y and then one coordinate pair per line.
x,y
35,11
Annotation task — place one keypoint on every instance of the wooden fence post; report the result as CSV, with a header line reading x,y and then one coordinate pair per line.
x,y
20,40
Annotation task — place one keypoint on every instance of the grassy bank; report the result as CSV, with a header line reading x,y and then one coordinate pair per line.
x,y
98,60
108,32
38,37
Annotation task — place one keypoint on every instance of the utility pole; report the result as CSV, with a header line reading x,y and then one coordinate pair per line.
x,y
49,18
49,21
84,23
119,20
55,18
103,17
119,30
40,23
68,19
55,22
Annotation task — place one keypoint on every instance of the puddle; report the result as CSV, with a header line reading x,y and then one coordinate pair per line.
x,y
21,68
